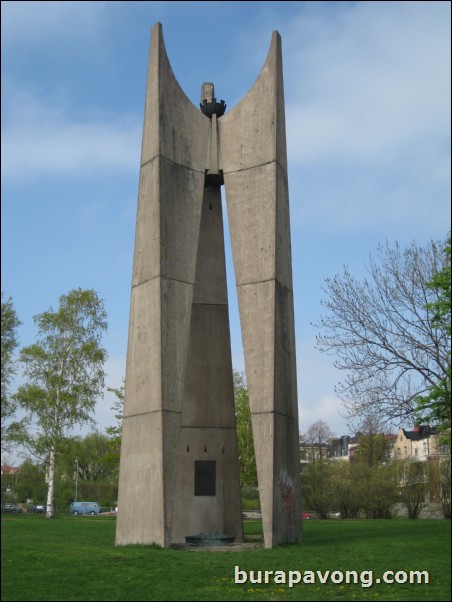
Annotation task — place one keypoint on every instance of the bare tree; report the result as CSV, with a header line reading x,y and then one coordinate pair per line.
x,y
373,445
440,482
384,334
414,486
316,438
444,471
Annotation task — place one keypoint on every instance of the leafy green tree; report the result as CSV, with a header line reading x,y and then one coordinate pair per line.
x,y
379,487
317,486
445,484
414,481
440,482
349,487
368,482
373,477
90,457
373,448
247,458
115,431
31,482
87,470
10,323
435,407
65,372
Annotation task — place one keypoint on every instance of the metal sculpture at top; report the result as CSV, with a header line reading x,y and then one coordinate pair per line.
x,y
209,105
179,462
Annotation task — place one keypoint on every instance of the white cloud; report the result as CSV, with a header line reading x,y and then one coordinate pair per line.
x,y
326,408
30,22
39,139
316,380
370,84
368,113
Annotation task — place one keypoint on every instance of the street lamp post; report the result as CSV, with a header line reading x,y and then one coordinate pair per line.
x,y
76,478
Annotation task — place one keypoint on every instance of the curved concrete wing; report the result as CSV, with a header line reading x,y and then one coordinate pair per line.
x,y
173,127
170,197
253,158
253,132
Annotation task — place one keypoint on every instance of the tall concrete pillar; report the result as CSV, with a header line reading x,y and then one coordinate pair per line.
x,y
179,463
173,157
207,430
254,163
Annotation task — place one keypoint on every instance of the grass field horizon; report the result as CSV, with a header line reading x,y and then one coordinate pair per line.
x,y
74,558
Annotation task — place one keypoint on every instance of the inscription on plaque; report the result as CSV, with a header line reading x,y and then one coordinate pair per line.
x,y
205,477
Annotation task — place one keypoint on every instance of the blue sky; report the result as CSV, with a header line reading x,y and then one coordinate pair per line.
x,y
367,88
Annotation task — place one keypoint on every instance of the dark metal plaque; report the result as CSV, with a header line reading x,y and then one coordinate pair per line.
x,y
205,477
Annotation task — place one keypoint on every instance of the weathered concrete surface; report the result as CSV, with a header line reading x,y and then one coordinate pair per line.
x,y
220,513
266,314
175,137
257,201
179,396
168,218
179,392
278,474
208,417
254,132
173,127
253,159
145,493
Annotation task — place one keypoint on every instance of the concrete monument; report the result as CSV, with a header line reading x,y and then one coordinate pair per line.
x,y
179,464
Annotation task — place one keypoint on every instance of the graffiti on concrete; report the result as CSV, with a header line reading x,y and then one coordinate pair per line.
x,y
289,495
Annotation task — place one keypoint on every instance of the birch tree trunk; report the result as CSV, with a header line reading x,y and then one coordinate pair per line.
x,y
51,488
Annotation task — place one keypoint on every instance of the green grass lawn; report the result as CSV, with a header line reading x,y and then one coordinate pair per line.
x,y
74,558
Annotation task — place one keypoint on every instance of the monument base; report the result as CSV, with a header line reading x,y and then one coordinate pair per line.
x,y
209,539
